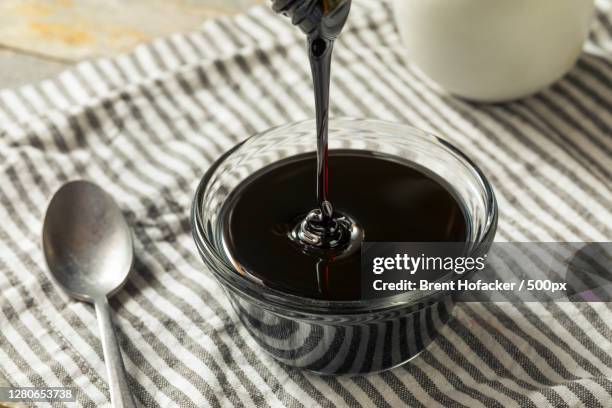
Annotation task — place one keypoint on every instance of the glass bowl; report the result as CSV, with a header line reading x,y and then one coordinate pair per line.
x,y
338,337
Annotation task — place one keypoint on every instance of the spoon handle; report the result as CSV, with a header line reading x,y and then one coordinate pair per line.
x,y
119,392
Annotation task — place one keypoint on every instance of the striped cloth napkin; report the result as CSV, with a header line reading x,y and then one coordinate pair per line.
x,y
148,124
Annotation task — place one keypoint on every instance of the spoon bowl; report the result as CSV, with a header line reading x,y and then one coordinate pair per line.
x,y
86,241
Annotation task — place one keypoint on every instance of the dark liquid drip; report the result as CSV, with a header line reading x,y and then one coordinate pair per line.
x,y
391,200
323,231
282,242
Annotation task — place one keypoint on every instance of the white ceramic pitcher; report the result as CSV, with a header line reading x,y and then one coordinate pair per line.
x,y
493,50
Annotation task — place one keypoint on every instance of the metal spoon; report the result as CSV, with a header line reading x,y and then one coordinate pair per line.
x,y
89,252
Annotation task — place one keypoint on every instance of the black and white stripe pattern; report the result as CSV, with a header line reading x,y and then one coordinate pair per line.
x,y
146,126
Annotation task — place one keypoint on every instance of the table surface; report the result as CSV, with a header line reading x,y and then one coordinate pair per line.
x,y
39,38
